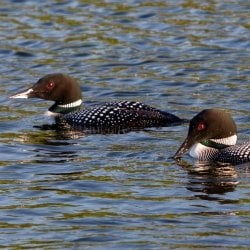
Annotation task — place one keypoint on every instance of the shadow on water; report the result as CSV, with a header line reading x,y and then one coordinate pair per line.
x,y
211,178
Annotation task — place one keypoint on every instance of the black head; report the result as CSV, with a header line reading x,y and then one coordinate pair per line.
x,y
208,124
60,88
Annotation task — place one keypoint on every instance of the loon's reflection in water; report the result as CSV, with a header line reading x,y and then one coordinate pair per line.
x,y
210,178
64,131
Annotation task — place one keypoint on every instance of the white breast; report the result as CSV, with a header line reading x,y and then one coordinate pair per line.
x,y
202,152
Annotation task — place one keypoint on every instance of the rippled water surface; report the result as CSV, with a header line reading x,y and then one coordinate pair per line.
x,y
122,191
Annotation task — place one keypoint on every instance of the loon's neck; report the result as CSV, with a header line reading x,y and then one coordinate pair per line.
x,y
57,109
207,149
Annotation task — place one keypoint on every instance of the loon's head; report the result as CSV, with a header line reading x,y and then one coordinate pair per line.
x,y
62,89
211,127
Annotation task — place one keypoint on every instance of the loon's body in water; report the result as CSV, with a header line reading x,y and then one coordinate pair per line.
x,y
212,136
112,117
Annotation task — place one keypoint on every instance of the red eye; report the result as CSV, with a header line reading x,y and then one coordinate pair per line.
x,y
50,85
201,126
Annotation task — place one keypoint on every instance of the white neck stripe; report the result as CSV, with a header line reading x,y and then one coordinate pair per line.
x,y
71,105
231,140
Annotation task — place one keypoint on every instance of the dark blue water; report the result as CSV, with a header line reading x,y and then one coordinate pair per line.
x,y
122,191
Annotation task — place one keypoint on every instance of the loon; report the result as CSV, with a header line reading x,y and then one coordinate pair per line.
x,y
212,136
113,116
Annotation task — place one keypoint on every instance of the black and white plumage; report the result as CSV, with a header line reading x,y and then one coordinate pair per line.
x,y
112,117
119,115
236,154
212,136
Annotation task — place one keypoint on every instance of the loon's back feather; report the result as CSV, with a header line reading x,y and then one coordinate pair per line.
x,y
124,114
237,154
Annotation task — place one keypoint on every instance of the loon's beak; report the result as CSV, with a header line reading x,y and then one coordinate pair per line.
x,y
185,146
26,94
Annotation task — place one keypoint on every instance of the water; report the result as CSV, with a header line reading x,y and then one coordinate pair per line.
x,y
122,191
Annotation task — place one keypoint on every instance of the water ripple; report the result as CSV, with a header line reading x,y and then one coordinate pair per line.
x,y
85,191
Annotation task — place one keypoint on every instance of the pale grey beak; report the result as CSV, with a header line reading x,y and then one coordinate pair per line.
x,y
26,94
